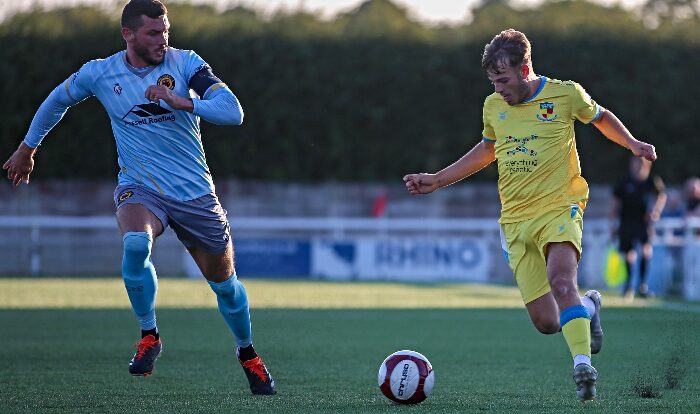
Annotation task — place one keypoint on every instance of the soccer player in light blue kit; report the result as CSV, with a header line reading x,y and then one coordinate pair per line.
x,y
155,96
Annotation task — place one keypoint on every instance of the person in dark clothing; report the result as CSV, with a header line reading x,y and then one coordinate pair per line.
x,y
637,204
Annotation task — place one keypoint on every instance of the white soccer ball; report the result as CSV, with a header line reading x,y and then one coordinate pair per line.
x,y
406,377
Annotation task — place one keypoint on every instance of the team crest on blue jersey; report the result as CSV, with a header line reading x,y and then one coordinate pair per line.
x,y
548,114
166,80
117,89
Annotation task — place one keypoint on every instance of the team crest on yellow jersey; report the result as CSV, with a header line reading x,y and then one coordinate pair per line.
x,y
167,80
548,114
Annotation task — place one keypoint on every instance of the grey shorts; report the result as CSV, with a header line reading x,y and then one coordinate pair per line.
x,y
200,223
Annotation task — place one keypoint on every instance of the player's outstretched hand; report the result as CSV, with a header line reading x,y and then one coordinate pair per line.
x,y
20,165
644,150
420,183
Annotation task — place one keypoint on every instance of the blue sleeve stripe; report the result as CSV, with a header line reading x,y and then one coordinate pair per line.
x,y
573,312
574,208
597,113
488,139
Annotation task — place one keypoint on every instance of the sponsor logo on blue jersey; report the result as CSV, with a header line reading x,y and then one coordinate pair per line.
x,y
147,114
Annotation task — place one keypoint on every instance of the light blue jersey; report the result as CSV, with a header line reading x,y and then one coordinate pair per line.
x,y
158,146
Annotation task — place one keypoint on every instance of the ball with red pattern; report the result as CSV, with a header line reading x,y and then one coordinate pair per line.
x,y
406,377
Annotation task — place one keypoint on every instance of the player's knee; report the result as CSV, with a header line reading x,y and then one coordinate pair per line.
x,y
225,288
137,251
219,272
547,325
562,285
217,267
231,292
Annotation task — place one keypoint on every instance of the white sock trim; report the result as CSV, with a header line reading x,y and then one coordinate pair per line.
x,y
582,359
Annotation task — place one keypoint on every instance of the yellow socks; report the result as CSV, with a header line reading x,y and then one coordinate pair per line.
x,y
576,326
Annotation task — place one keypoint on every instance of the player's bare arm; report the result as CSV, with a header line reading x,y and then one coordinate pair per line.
x,y
615,131
477,158
20,165
156,93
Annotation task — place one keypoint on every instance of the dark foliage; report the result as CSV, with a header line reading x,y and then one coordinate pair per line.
x,y
369,95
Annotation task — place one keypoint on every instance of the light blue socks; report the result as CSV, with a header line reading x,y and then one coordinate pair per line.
x,y
233,305
142,285
140,277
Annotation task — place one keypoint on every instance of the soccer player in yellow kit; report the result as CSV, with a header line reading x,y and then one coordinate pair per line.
x,y
529,130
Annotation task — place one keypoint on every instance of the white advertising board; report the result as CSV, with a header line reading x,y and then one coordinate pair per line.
x,y
415,259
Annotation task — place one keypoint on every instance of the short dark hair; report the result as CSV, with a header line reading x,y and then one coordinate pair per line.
x,y
134,9
509,47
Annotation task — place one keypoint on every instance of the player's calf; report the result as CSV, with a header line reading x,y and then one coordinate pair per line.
x,y
547,325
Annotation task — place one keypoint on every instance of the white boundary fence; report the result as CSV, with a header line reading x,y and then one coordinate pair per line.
x,y
421,249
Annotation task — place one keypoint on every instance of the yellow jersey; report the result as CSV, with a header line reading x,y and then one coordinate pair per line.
x,y
535,146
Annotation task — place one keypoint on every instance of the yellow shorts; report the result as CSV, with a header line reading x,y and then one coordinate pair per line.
x,y
524,244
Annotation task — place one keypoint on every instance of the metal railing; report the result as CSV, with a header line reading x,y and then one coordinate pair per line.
x,y
38,244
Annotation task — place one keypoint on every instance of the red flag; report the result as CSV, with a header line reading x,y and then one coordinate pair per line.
x,y
379,205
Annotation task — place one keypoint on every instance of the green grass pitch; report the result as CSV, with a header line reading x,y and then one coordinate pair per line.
x,y
65,345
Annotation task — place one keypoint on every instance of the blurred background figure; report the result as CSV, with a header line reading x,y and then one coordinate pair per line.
x,y
674,207
692,197
638,202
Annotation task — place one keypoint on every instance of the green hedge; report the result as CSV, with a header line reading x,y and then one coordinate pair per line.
x,y
350,101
